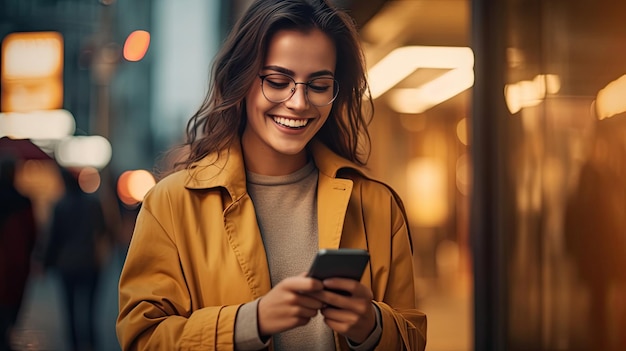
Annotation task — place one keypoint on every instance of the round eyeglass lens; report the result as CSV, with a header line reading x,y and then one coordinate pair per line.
x,y
320,91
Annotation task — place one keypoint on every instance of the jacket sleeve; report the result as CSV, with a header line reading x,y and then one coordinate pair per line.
x,y
404,326
155,307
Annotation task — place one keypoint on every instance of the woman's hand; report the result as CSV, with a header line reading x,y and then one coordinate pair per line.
x,y
351,315
288,305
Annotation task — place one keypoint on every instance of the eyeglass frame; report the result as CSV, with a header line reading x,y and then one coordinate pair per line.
x,y
293,90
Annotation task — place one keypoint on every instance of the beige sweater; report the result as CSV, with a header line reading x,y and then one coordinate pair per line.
x,y
287,214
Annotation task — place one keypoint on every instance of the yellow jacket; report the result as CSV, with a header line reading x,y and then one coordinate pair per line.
x,y
196,255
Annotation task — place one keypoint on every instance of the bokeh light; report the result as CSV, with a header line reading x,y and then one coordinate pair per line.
x,y
89,179
426,191
136,45
84,151
461,131
133,185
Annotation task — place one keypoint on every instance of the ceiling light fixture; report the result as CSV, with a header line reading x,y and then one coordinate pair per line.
x,y
434,92
403,61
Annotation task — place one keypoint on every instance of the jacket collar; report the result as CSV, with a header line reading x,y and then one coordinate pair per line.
x,y
329,163
226,168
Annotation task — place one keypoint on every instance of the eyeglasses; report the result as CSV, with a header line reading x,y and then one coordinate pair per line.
x,y
319,92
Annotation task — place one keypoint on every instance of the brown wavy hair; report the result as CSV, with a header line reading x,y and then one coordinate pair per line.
x,y
221,118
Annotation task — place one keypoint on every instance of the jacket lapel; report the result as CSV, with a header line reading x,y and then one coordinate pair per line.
x,y
245,240
333,195
242,230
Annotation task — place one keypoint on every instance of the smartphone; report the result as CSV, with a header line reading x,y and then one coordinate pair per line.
x,y
339,263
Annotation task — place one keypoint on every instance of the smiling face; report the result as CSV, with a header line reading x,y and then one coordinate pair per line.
x,y
276,134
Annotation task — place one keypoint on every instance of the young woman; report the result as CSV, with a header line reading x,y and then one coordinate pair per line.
x,y
273,173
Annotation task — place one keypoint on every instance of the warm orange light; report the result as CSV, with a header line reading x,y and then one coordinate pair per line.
x,y
461,131
139,183
133,185
528,93
32,71
32,55
89,179
136,45
427,193
122,189
610,100
463,174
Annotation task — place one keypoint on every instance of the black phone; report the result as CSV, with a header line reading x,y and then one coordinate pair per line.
x,y
339,263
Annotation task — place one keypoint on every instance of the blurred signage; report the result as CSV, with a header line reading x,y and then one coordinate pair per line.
x,y
31,72
37,125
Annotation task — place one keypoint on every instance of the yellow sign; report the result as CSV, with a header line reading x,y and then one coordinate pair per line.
x,y
32,72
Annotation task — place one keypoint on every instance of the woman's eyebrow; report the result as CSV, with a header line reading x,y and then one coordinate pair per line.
x,y
292,73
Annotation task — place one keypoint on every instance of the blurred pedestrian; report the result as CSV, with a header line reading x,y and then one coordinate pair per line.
x,y
219,254
595,235
18,232
76,231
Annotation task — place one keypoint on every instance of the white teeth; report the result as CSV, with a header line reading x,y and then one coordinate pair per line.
x,y
292,123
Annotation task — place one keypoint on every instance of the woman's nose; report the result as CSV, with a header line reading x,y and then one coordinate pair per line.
x,y
298,100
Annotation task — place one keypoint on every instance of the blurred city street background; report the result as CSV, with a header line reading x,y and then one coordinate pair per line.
x,y
43,325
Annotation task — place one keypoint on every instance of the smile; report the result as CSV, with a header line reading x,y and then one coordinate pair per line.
x,y
291,123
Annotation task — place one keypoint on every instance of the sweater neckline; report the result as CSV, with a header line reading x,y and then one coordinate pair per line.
x,y
295,177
